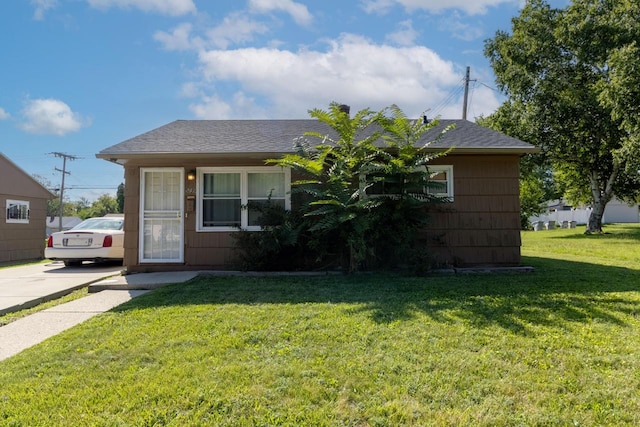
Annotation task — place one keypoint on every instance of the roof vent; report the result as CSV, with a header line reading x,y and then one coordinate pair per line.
x,y
344,108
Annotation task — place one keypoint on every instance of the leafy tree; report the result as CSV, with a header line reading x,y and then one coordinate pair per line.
x,y
558,64
537,183
103,205
82,208
120,197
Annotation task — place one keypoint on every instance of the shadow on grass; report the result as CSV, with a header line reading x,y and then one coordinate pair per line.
x,y
556,294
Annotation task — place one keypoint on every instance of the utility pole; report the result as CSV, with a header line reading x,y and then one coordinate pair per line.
x,y
466,93
64,172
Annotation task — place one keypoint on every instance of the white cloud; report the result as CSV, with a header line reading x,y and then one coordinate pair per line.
x,y
41,7
178,39
405,36
471,7
459,29
164,7
190,90
236,28
353,70
377,6
297,11
49,117
3,114
212,107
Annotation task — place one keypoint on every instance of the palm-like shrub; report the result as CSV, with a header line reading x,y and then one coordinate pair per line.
x,y
363,152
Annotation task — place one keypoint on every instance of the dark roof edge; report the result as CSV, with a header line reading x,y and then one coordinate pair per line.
x,y
115,157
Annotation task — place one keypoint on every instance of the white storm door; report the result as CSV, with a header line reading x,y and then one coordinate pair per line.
x,y
161,215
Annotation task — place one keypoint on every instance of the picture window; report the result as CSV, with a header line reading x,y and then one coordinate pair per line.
x,y
17,211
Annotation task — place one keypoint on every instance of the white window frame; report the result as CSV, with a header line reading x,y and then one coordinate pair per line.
x,y
448,170
11,203
244,196
433,170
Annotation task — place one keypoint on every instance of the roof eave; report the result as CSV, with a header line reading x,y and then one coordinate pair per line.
x,y
121,158
124,158
496,150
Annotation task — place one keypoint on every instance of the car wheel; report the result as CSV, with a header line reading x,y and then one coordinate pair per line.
x,y
72,263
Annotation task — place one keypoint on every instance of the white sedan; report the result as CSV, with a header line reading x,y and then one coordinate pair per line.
x,y
94,239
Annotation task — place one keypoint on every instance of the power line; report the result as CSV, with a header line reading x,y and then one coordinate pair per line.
x,y
489,87
80,187
473,91
453,94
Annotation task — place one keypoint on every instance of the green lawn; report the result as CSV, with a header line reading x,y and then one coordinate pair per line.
x,y
559,346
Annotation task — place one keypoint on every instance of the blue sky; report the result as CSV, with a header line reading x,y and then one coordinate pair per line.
x,y
78,76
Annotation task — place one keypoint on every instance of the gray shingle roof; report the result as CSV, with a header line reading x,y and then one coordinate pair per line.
x,y
184,137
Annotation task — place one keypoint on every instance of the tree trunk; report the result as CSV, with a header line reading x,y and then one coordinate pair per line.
x,y
600,199
595,218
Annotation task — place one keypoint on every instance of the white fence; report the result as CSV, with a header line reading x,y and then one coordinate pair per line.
x,y
616,211
579,216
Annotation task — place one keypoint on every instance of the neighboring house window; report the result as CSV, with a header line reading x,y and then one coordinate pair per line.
x,y
17,211
227,196
440,184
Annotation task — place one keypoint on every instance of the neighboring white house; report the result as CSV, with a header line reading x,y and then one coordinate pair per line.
x,y
68,222
616,211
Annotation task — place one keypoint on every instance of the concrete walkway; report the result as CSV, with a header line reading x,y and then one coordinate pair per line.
x,y
26,286
107,292
35,328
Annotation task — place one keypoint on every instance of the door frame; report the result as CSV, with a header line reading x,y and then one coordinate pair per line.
x,y
179,213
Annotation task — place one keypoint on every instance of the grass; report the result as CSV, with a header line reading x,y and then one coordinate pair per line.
x,y
7,318
559,346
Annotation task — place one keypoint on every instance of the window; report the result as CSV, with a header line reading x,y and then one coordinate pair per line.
x,y
441,181
17,211
440,184
227,197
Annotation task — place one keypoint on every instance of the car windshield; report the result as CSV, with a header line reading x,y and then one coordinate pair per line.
x,y
100,224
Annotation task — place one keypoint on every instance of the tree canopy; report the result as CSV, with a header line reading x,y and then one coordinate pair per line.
x,y
83,207
573,75
537,183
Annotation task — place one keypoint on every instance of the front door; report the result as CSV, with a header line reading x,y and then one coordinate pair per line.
x,y
161,215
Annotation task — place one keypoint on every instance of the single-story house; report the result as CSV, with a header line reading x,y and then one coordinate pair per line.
x,y
22,230
185,183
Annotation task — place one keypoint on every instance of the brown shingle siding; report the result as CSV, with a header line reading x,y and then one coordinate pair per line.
x,y
481,226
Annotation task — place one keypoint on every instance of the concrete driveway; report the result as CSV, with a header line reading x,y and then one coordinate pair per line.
x,y
26,286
